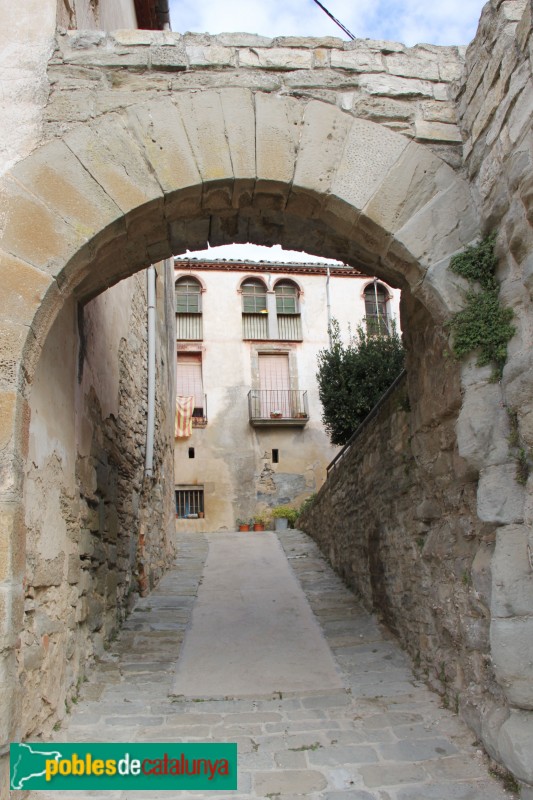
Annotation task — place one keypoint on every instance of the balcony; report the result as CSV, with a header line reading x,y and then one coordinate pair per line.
x,y
199,414
278,407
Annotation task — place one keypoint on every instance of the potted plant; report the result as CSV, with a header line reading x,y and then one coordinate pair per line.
x,y
242,525
260,520
276,414
284,516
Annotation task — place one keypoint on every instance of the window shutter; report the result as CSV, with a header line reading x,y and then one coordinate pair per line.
x,y
189,378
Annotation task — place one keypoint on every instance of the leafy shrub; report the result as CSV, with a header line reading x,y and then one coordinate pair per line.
x,y
483,325
352,378
287,512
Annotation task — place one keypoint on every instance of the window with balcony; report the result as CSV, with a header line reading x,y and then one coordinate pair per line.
x,y
288,311
190,384
275,402
376,314
188,294
254,310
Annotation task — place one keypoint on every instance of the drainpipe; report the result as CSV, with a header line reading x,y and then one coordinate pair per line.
x,y
328,300
150,421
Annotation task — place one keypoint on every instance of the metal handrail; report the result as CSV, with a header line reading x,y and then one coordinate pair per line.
x,y
369,417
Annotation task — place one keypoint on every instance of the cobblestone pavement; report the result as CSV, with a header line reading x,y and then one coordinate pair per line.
x,y
383,737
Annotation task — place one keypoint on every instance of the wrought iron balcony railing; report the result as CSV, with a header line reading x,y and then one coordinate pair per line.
x,y
278,407
199,414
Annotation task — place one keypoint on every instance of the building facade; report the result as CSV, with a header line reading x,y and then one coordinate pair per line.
x,y
247,338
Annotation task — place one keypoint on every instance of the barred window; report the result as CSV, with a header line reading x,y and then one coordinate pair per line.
x,y
189,501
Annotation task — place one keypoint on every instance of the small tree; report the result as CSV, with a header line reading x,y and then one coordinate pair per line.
x,y
352,378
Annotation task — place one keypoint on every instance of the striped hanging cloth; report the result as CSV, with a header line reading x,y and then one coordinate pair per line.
x,y
183,423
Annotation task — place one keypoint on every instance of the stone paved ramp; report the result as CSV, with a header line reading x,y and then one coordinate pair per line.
x,y
252,631
384,737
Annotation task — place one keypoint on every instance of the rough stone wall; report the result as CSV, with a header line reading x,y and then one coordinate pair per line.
x,y
495,106
404,89
397,519
98,532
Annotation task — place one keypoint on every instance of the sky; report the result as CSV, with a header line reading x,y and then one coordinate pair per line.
x,y
446,22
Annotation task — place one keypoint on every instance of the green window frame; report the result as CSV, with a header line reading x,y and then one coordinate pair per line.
x,y
188,294
286,298
254,299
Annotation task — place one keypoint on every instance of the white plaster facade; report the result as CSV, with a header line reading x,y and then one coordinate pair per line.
x,y
231,460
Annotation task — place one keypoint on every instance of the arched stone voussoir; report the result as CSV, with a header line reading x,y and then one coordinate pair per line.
x,y
323,133
34,233
445,225
115,159
58,178
413,181
220,127
370,151
23,288
278,128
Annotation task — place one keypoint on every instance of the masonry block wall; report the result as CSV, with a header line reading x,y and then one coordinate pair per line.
x,y
397,519
97,531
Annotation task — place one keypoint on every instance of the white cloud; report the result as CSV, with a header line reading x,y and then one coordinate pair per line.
x,y
447,22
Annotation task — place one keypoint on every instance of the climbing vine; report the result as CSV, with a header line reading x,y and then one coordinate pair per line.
x,y
483,325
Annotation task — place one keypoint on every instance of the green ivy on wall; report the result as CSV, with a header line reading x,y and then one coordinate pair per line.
x,y
483,325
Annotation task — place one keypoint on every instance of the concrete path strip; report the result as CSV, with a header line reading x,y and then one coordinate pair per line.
x,y
253,632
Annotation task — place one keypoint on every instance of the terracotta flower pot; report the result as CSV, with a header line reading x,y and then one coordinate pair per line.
x,y
259,526
244,527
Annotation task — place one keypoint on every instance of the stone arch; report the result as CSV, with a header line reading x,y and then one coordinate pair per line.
x,y
140,184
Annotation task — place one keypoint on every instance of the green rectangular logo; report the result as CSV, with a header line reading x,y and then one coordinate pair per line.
x,y
118,765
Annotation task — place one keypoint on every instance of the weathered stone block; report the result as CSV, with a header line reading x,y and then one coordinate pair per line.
x,y
483,427
500,498
512,590
393,86
203,120
212,56
279,58
49,572
515,742
512,658
407,66
437,131
412,182
369,153
33,232
114,159
357,60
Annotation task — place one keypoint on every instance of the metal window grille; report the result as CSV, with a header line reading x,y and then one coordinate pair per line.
x,y
189,502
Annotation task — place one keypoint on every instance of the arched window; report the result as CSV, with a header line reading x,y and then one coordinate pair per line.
x,y
288,311
254,297
286,298
376,316
188,296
